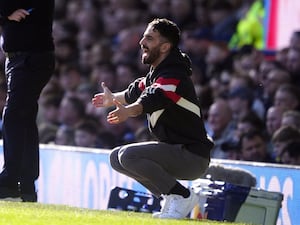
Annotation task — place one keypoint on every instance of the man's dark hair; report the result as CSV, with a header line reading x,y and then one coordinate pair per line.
x,y
252,118
251,135
286,133
292,149
167,29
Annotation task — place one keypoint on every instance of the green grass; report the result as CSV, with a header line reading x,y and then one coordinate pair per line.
x,y
12,213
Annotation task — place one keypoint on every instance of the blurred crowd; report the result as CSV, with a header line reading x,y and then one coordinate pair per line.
x,y
249,96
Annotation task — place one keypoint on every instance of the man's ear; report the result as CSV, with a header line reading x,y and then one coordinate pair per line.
x,y
165,47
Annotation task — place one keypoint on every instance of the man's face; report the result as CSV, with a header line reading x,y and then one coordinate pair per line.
x,y
273,119
219,117
253,149
284,99
150,45
293,64
278,147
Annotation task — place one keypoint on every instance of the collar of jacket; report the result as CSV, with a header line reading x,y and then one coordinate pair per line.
x,y
174,62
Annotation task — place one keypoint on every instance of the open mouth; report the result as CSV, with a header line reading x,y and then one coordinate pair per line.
x,y
144,49
144,52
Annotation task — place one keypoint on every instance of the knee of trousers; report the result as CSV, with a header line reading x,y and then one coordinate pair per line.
x,y
114,159
128,159
122,158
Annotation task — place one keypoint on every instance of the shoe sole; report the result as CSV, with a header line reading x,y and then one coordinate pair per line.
x,y
11,199
156,215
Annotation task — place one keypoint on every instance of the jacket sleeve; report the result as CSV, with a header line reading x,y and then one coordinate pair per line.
x,y
134,90
160,95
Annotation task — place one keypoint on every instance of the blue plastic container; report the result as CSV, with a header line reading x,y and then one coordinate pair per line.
x,y
224,201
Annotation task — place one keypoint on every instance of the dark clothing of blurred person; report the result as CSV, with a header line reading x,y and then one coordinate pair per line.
x,y
167,95
28,45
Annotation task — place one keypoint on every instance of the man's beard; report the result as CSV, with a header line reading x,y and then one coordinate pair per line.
x,y
152,56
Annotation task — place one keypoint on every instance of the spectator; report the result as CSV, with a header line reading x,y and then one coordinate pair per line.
x,y
240,101
273,123
273,119
70,78
247,59
264,68
50,109
182,13
88,20
247,123
217,58
47,132
287,96
105,73
64,136
238,80
274,78
85,91
293,65
281,138
206,99
100,53
86,134
232,149
216,86
67,51
124,75
291,154
254,147
245,82
291,118
223,20
48,122
281,56
260,79
71,111
127,45
158,8
220,127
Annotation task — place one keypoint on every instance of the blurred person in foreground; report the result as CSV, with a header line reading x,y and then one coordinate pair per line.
x,y
167,96
29,49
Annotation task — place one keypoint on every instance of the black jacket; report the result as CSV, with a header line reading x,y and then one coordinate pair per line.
x,y
168,97
34,33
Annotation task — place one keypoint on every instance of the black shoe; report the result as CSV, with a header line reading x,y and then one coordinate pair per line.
x,y
10,194
28,191
29,197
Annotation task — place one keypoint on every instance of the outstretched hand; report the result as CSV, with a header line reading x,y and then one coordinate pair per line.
x,y
104,99
119,115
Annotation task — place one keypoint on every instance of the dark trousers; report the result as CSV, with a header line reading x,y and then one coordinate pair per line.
x,y
157,165
26,74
